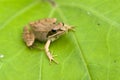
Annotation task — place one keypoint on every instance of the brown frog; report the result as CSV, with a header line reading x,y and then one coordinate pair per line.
x,y
45,30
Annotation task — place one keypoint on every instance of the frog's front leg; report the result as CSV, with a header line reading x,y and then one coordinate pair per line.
x,y
49,55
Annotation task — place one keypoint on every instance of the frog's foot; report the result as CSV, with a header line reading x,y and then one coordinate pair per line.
x,y
49,55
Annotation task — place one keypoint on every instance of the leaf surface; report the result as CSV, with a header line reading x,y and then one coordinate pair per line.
x,y
90,53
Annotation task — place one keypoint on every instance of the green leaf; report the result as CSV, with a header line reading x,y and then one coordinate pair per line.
x,y
90,53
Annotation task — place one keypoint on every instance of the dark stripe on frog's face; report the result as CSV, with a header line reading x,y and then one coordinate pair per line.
x,y
51,32
56,30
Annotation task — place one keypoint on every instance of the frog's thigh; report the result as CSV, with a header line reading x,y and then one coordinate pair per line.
x,y
28,37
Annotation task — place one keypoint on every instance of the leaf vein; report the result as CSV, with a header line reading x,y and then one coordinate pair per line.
x,y
77,42
96,13
18,13
109,58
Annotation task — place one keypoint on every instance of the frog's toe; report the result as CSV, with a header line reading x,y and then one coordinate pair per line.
x,y
51,58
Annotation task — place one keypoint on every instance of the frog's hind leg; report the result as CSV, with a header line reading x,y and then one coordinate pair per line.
x,y
49,55
28,36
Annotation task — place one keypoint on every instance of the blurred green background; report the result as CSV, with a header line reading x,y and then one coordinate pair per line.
x,y
92,52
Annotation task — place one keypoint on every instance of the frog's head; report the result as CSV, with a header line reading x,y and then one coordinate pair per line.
x,y
58,30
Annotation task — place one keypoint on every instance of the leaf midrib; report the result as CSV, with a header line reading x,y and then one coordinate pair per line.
x,y
77,43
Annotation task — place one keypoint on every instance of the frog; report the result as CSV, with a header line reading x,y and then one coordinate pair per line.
x,y
45,30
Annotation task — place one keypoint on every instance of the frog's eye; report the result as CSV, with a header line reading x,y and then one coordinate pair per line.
x,y
54,31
